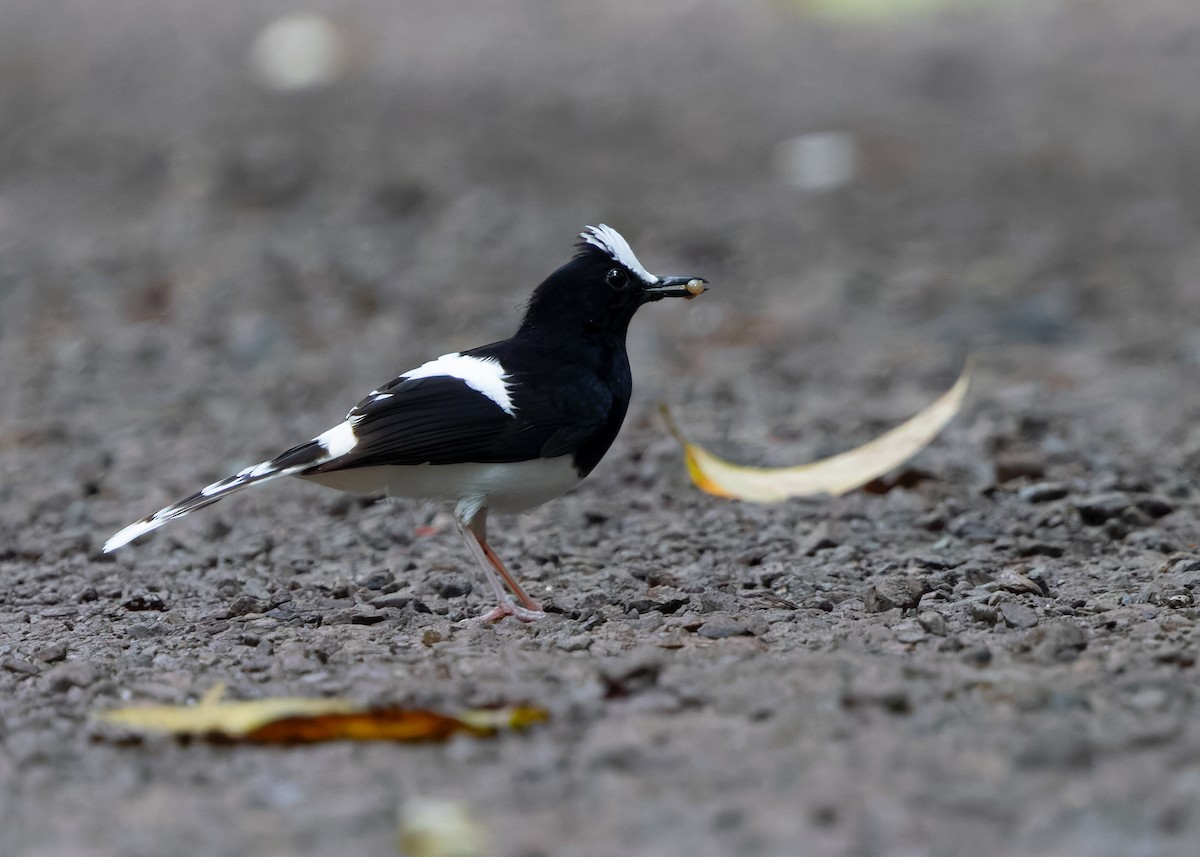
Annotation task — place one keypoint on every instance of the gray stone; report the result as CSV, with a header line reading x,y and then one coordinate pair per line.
x,y
982,613
720,627
453,587
1018,615
1175,597
244,605
1057,639
756,624
933,622
1018,583
70,674
19,666
714,602
895,590
365,616
1098,508
52,653
574,642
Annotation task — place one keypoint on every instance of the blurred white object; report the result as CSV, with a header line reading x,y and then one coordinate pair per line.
x,y
298,52
431,827
824,160
869,10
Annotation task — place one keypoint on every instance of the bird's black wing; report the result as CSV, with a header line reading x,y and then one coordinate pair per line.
x,y
435,420
441,420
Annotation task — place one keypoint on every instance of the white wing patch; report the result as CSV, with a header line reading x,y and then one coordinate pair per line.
x,y
482,374
338,441
611,242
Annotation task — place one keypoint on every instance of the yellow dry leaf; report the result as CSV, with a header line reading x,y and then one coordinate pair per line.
x,y
212,715
835,475
289,720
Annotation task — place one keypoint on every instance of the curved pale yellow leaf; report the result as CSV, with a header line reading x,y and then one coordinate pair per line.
x,y
835,475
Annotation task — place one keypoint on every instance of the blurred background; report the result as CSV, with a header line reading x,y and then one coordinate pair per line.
x,y
304,201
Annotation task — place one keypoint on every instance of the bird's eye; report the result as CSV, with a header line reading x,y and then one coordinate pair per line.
x,y
617,278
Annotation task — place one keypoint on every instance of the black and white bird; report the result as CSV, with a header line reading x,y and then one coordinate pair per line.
x,y
503,427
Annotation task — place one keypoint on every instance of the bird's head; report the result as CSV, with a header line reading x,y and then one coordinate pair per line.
x,y
603,286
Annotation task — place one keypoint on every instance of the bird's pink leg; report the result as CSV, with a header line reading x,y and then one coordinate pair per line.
x,y
474,534
509,580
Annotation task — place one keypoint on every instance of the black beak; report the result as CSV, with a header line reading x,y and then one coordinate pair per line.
x,y
676,287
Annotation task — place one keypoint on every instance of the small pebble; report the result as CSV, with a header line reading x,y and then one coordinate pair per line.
x,y
145,601
720,627
982,613
933,622
1018,615
756,624
574,642
1175,598
71,674
715,602
244,605
896,590
377,580
19,666
397,601
909,631
1098,508
1057,639
52,653
367,617
1020,584
453,587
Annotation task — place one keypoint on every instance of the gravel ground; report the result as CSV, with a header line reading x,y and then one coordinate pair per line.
x,y
196,272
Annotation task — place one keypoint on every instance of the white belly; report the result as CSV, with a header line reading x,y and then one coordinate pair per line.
x,y
504,488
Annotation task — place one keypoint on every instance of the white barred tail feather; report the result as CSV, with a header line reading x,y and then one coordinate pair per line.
x,y
289,463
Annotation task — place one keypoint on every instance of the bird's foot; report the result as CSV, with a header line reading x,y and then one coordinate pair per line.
x,y
507,608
